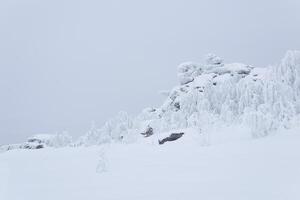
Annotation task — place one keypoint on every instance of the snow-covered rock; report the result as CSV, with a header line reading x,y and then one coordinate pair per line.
x,y
212,59
187,72
40,141
56,140
232,68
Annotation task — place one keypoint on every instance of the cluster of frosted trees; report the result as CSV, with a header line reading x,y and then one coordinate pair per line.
x,y
263,99
116,129
58,140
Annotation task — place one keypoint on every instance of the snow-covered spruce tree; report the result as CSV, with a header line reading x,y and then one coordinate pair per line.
x,y
92,137
61,139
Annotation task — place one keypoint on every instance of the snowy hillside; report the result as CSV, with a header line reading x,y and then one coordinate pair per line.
x,y
209,95
216,94
266,168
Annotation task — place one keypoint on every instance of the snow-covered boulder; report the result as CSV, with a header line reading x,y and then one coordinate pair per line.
x,y
187,72
212,59
170,138
40,141
10,147
232,68
148,132
48,140
26,145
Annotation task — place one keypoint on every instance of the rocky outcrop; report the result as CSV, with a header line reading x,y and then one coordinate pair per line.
x,y
41,141
148,132
172,137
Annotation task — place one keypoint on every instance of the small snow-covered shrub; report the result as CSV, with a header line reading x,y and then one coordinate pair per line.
x,y
102,162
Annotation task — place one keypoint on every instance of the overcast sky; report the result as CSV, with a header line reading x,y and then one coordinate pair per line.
x,y
64,63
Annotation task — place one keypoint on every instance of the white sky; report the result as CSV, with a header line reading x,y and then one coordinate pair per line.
x,y
64,63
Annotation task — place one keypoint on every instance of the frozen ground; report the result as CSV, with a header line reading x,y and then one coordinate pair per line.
x,y
266,168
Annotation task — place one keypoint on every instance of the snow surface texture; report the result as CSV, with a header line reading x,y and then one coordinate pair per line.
x,y
266,168
216,93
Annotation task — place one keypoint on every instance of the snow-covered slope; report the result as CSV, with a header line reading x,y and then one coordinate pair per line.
x,y
250,169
